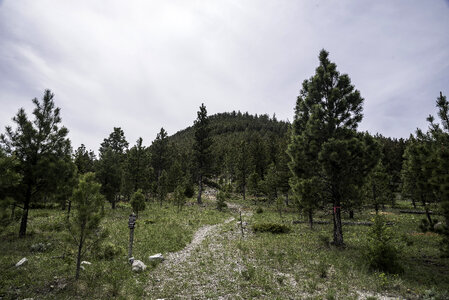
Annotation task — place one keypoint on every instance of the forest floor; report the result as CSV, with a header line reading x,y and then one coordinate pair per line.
x,y
206,257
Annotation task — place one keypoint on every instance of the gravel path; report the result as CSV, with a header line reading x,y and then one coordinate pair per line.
x,y
176,258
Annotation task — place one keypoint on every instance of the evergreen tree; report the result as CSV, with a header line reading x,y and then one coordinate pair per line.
x,y
243,167
84,227
440,174
417,173
109,169
202,149
41,147
9,179
179,197
138,202
137,168
160,154
324,145
271,183
377,187
84,160
162,187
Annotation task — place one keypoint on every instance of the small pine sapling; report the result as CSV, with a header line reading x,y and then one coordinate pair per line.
x,y
382,251
179,197
138,202
84,227
221,204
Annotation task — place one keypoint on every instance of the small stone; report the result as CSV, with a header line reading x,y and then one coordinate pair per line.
x,y
138,266
85,262
156,257
21,262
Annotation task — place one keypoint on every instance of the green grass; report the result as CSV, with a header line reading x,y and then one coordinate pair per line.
x,y
48,275
298,264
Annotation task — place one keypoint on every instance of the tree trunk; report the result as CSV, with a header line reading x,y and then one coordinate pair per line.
x,y
310,213
244,192
426,208
351,214
413,202
78,258
26,206
286,199
69,208
338,230
200,190
376,207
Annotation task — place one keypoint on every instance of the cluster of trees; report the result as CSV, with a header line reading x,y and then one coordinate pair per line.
x,y
335,166
319,162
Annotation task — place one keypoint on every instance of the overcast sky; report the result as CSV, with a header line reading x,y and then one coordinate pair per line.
x,y
143,65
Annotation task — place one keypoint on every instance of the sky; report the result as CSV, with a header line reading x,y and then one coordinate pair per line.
x,y
142,65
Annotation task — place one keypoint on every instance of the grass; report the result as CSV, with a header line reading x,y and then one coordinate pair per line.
x,y
299,264
50,275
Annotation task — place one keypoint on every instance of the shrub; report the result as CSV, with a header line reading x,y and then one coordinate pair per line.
x,y
221,204
259,210
381,251
271,227
110,251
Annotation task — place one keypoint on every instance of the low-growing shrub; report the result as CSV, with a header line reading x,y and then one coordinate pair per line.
x,y
271,227
109,251
259,210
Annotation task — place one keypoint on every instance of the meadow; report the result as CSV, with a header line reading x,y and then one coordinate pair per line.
x,y
300,264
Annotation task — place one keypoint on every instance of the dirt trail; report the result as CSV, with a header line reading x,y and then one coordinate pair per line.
x,y
198,269
175,258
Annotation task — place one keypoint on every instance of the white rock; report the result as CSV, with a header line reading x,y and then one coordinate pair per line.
x,y
21,262
85,262
138,266
156,257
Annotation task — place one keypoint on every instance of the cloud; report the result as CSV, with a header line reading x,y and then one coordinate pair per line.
x,y
143,65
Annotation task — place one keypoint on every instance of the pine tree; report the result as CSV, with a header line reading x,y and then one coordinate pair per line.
x,y
138,202
243,167
41,147
377,188
324,144
9,179
440,175
84,227
160,154
109,169
84,160
202,149
417,173
137,168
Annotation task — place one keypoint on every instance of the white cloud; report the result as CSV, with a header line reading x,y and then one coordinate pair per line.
x,y
143,65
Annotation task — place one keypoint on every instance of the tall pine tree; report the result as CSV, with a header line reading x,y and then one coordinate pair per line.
x,y
202,149
42,149
324,147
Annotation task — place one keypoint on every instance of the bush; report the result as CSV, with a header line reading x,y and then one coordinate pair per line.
x,y
221,204
381,251
271,227
110,250
259,210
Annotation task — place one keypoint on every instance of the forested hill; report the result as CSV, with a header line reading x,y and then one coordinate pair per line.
x,y
241,144
235,124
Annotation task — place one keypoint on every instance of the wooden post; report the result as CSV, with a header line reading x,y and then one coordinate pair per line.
x,y
131,225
